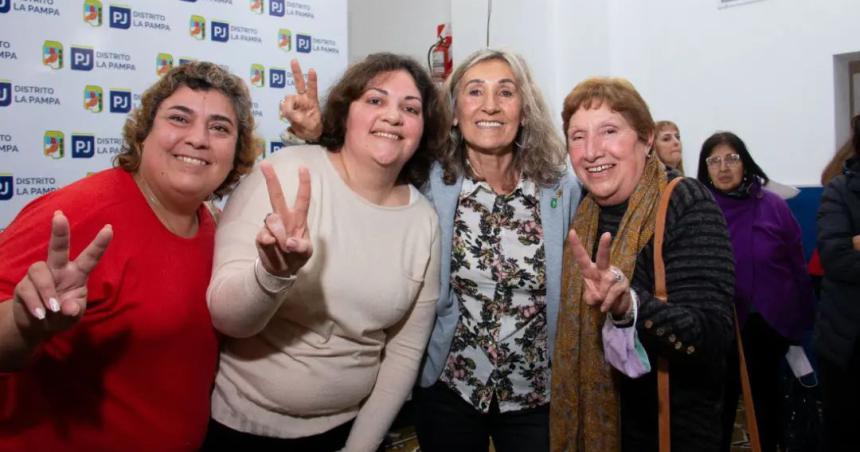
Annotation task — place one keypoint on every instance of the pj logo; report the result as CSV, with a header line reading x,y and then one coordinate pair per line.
x,y
6,186
93,98
83,146
5,93
54,144
220,31
120,101
276,8
120,17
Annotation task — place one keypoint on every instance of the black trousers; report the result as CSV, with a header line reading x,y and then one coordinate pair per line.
x,y
764,350
841,400
447,423
220,438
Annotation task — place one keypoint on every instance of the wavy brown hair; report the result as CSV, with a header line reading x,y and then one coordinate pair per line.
x,y
197,76
352,86
539,153
619,95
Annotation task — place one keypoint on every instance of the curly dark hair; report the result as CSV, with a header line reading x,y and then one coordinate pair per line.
x,y
352,86
197,76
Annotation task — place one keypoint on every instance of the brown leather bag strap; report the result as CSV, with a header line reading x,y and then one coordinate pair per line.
x,y
661,294
749,408
659,232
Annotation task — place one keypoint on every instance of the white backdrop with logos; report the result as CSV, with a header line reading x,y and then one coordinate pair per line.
x,y
71,70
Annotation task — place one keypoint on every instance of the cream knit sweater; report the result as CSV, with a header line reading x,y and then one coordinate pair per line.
x,y
345,341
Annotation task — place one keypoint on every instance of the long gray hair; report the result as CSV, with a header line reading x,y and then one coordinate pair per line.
x,y
539,152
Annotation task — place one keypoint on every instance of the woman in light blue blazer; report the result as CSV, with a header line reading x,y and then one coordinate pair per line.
x,y
505,195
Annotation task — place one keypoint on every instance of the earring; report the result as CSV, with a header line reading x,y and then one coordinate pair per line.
x,y
455,123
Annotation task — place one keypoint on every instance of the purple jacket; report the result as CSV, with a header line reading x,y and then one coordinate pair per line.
x,y
770,272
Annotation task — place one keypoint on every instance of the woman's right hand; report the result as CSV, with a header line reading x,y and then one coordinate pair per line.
x,y
606,287
52,296
283,243
302,109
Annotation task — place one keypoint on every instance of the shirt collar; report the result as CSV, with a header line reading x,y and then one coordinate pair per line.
x,y
525,188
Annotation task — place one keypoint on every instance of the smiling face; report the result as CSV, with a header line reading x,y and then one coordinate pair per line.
x,y
190,149
668,146
489,107
606,153
725,168
385,124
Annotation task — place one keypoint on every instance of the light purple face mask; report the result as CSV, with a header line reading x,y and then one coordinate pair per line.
x,y
622,349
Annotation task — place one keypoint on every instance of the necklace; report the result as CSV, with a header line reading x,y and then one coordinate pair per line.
x,y
160,211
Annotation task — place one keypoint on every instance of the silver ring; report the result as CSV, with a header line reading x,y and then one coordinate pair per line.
x,y
302,92
617,273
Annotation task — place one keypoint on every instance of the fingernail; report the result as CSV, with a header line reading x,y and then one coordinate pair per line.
x,y
39,313
53,304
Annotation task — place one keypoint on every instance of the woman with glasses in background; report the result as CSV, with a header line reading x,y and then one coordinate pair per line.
x,y
773,293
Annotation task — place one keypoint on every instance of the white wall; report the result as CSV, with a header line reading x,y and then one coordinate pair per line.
x,y
764,70
405,27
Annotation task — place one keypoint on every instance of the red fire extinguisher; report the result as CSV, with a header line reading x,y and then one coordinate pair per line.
x,y
439,58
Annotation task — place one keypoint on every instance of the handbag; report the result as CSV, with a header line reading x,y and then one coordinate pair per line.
x,y
804,414
661,293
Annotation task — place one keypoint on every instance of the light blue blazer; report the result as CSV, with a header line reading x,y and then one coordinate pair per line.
x,y
557,206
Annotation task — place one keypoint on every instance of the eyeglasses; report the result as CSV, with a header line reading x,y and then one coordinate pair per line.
x,y
732,160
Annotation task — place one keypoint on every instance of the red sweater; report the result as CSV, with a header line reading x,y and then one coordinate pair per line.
x,y
136,372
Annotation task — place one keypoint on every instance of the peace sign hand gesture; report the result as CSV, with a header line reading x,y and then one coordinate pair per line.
x,y
52,296
605,286
302,109
283,243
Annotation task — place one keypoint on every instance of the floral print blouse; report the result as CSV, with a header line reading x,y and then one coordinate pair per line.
x,y
498,275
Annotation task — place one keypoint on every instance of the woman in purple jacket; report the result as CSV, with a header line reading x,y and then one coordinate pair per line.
x,y
773,293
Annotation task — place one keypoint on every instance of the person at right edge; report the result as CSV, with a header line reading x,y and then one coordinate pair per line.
x,y
838,325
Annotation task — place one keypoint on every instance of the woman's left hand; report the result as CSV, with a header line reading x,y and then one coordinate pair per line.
x,y
606,286
302,109
283,243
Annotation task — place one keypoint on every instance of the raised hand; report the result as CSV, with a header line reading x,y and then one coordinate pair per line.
x,y
606,286
283,243
52,296
302,109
